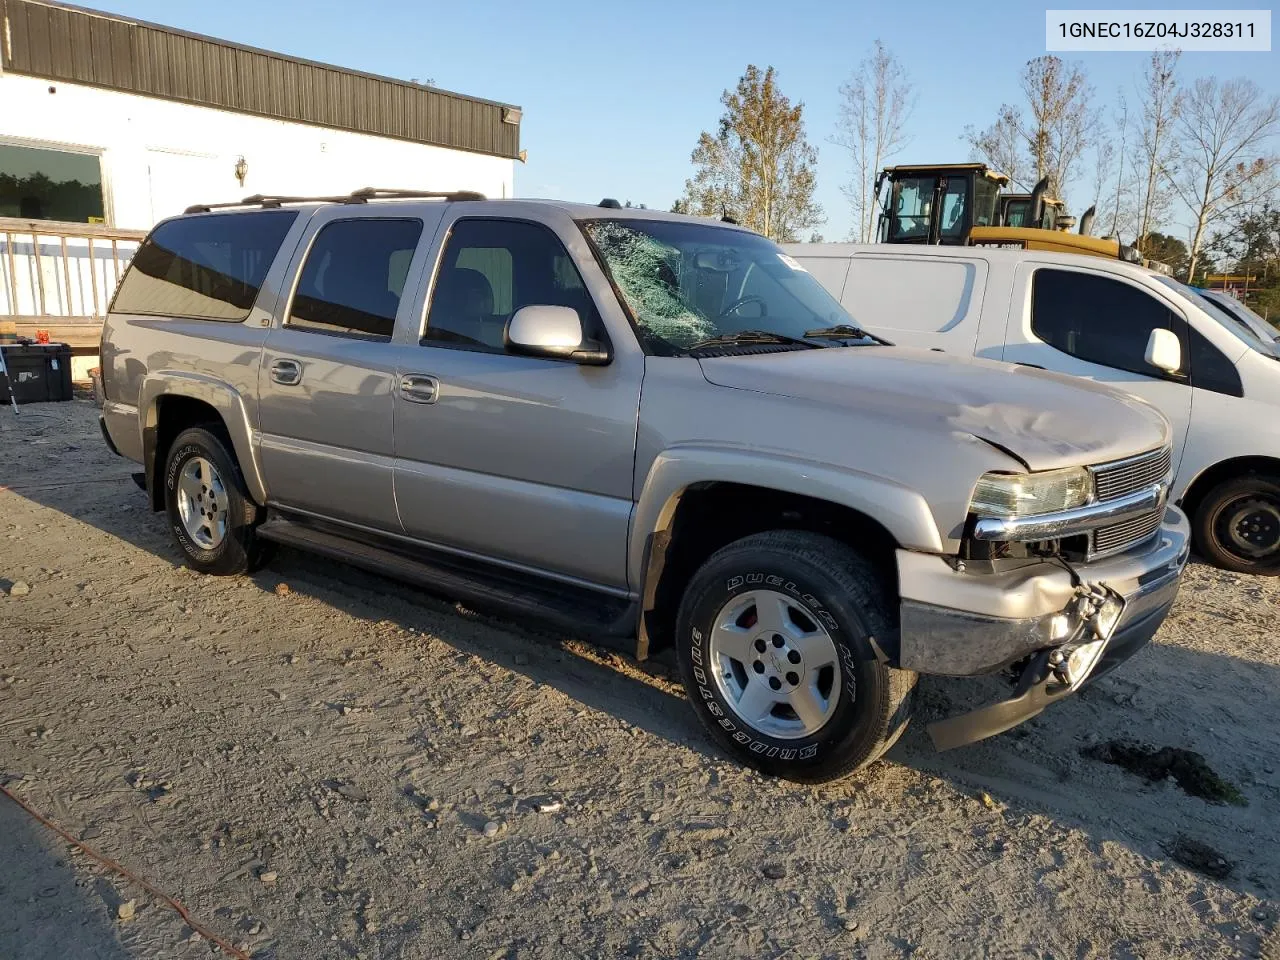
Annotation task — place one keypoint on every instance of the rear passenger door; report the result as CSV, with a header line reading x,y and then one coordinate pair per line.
x,y
329,368
1089,324
525,461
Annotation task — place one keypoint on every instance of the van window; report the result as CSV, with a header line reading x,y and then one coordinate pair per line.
x,y
1099,319
492,268
207,267
353,277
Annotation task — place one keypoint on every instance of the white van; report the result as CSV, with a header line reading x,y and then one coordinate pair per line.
x,y
1217,381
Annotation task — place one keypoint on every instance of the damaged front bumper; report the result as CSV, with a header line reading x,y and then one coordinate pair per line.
x,y
1069,632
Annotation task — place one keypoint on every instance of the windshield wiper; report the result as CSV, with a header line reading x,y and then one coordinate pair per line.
x,y
751,336
845,331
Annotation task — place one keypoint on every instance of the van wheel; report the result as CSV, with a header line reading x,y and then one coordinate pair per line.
x,y
776,652
1237,525
208,506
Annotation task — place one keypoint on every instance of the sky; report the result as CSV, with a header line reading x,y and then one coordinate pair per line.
x,y
615,95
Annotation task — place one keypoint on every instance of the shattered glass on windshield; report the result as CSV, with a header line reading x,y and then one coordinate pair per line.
x,y
647,272
687,282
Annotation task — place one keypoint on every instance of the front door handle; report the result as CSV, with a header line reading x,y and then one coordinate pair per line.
x,y
419,388
286,372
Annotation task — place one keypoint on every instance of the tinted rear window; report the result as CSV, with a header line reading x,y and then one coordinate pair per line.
x,y
209,267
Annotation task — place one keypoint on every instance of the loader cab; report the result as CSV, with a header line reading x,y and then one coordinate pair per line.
x,y
937,203
1018,210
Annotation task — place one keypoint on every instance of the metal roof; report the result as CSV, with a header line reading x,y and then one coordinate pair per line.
x,y
59,42
934,167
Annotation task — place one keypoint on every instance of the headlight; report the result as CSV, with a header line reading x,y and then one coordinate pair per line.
x,y
1031,494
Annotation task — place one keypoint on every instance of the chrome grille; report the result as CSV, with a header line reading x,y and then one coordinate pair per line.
x,y
1113,480
1121,536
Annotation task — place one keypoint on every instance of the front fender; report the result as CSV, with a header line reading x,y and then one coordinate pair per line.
x,y
903,512
224,398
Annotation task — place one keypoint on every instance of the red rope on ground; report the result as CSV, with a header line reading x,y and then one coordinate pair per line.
x,y
111,864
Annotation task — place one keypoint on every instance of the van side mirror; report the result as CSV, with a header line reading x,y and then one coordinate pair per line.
x,y
1164,352
554,332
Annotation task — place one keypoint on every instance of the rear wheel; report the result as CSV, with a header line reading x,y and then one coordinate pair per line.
x,y
1237,525
210,513
776,650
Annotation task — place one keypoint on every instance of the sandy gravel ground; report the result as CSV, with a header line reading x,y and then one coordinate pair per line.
x,y
424,782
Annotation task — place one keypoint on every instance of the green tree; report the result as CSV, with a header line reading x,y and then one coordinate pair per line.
x,y
1250,246
758,166
1167,250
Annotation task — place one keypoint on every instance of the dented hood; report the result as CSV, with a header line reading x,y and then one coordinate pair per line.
x,y
1045,420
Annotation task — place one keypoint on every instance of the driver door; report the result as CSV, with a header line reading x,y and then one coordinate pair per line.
x,y
524,461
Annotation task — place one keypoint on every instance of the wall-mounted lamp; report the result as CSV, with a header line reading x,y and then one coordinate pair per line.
x,y
242,170
523,156
511,115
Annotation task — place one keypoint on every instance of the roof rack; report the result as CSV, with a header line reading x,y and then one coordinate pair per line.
x,y
363,195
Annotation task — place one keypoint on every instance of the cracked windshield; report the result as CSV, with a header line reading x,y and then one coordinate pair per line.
x,y
687,284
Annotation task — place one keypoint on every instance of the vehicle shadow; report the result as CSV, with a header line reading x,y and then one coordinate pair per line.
x,y
1221,706
44,914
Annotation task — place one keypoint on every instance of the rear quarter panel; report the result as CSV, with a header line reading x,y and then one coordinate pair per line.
x,y
146,357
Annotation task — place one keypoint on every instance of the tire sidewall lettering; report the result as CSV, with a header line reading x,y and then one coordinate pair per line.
x,y
711,699
177,459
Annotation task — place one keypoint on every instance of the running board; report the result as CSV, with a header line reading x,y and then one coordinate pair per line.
x,y
595,616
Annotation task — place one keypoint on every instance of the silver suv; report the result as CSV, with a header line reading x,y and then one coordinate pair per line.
x,y
646,427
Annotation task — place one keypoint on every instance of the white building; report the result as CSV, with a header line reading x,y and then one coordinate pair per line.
x,y
108,125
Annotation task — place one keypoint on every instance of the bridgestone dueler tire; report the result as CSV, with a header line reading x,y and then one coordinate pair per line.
x,y
240,550
836,583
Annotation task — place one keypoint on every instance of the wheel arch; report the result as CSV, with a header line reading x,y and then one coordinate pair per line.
x,y
1222,471
698,518
171,402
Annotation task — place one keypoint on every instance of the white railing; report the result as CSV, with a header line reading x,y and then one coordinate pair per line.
x,y
61,275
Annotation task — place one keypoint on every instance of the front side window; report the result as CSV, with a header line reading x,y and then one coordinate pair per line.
x,y
207,267
354,276
490,269
688,282
1099,319
42,184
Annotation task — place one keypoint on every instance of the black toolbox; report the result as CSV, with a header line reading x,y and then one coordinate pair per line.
x,y
38,372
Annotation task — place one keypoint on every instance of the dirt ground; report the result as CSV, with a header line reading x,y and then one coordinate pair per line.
x,y
424,782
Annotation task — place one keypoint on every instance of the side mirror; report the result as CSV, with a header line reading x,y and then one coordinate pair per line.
x,y
556,332
1164,352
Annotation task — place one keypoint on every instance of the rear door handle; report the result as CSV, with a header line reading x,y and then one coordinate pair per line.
x,y
419,388
286,372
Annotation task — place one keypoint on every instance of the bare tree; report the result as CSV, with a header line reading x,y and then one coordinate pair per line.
x,y
1122,124
1062,118
1104,158
758,165
1000,146
1157,147
875,106
1226,128
1052,139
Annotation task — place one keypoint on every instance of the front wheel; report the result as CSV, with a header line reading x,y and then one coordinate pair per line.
x,y
1237,525
776,650
210,512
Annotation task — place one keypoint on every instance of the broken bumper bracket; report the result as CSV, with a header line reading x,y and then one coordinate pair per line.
x,y
1040,685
